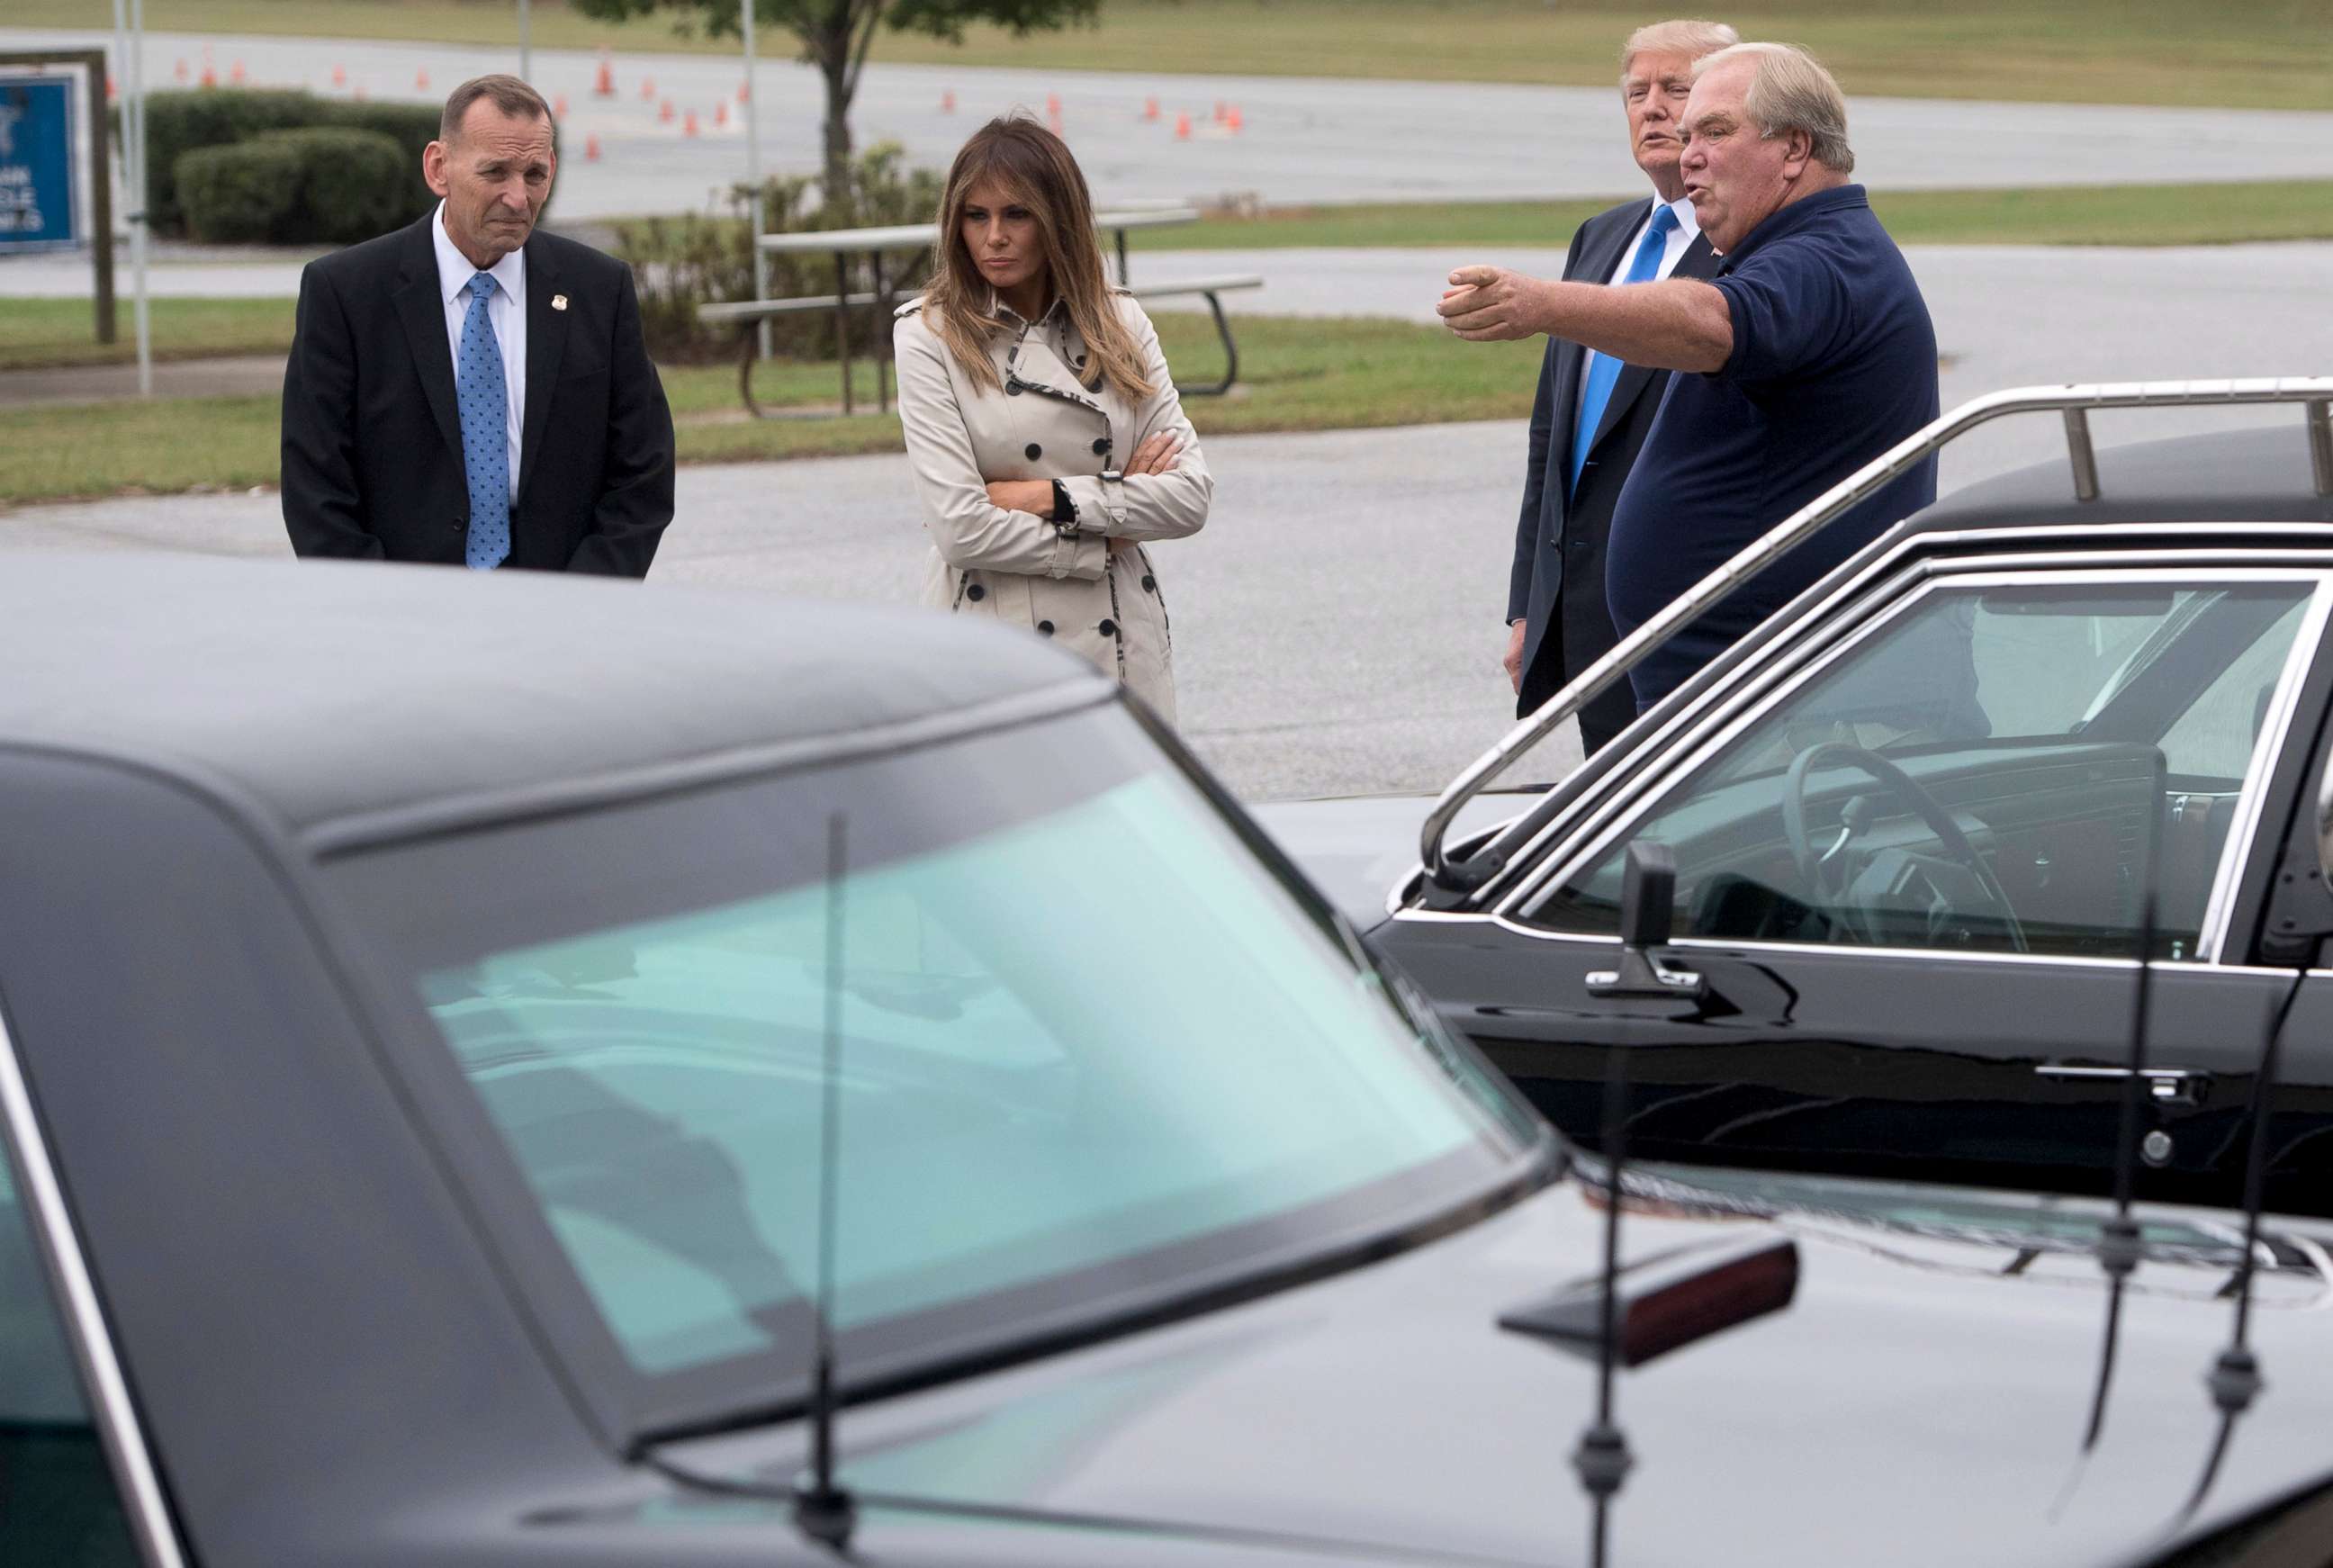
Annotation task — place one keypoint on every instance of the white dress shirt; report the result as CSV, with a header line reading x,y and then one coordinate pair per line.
x,y
1679,241
505,313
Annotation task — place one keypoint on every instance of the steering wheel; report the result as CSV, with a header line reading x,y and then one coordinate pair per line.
x,y
1826,880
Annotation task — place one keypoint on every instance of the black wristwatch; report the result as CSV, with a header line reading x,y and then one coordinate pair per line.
x,y
1065,511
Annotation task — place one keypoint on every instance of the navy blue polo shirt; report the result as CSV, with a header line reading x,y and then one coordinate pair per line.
x,y
1834,361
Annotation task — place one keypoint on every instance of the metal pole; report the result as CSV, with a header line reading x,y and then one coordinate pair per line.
x,y
134,142
525,45
753,173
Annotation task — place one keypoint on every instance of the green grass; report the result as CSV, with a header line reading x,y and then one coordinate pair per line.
x,y
39,333
1294,375
2133,215
2253,54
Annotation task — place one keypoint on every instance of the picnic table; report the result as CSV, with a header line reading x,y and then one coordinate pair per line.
x,y
875,246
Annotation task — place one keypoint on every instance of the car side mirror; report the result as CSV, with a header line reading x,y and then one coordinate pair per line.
x,y
1647,920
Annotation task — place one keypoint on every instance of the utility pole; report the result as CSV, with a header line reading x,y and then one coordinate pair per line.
x,y
525,46
753,173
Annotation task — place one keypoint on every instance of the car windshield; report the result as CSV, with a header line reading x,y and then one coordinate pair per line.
x,y
1091,1049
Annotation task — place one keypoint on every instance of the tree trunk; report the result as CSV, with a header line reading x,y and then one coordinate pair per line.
x,y
836,69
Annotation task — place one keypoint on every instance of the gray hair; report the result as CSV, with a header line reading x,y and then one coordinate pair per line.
x,y
1792,92
509,94
1685,36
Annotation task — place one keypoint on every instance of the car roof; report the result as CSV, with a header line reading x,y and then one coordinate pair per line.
x,y
2253,476
344,701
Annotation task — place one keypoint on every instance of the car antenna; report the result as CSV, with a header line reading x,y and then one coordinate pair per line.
x,y
2234,1379
2118,1237
1602,1458
823,1511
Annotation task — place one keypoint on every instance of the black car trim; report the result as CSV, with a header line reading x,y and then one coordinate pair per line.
x,y
457,814
1593,831
105,1386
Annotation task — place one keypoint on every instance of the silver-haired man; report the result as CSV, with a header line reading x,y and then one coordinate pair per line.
x,y
1812,347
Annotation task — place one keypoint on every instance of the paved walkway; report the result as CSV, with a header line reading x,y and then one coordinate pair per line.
x,y
246,375
1305,140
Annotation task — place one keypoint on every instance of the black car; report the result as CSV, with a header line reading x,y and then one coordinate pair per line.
x,y
508,1071
1925,823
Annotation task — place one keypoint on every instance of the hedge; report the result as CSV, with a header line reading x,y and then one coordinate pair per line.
x,y
177,123
318,186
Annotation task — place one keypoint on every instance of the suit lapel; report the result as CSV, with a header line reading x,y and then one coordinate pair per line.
x,y
422,310
1698,262
546,341
1599,255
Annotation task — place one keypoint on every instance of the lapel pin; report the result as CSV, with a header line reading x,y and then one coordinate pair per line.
x,y
559,302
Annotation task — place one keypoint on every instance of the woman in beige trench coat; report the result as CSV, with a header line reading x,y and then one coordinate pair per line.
x,y
1048,446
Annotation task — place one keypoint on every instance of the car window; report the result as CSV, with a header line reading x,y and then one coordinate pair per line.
x,y
58,1505
2006,766
1089,1045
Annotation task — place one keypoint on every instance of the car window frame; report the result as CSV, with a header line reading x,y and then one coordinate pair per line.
x,y
1692,738
73,1291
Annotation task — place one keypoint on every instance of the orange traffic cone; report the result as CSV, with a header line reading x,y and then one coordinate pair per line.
x,y
947,104
688,123
590,150
1232,120
1052,106
1053,124
210,76
603,81
559,107
235,74
1182,127
339,75
1149,108
1221,107
647,89
744,92
664,112
421,81
112,87
181,72
720,116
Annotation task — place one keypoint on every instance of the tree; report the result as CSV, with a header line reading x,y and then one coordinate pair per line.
x,y
836,35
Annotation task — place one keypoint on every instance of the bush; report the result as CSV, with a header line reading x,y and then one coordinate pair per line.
x,y
177,124
239,193
679,263
326,186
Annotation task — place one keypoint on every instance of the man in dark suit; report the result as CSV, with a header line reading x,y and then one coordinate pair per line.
x,y
468,391
1592,411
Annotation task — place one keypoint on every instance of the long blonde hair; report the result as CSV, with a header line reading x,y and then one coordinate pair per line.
x,y
1035,168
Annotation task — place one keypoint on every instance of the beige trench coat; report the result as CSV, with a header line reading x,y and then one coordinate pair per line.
x,y
1071,586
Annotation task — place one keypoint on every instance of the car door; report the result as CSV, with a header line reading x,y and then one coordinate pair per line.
x,y
1912,879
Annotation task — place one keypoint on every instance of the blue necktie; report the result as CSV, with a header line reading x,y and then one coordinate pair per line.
x,y
1603,370
484,401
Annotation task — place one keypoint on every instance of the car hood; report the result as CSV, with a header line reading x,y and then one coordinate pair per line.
x,y
1920,1401
1355,848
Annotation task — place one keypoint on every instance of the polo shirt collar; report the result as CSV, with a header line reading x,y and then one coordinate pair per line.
x,y
1802,214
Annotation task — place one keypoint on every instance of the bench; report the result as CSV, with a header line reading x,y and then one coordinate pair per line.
x,y
745,314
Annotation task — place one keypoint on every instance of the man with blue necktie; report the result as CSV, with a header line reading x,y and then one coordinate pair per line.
x,y
1592,411
467,391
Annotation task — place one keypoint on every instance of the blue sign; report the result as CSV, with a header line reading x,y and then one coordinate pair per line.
x,y
37,209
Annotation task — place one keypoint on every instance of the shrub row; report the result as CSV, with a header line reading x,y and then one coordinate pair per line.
x,y
679,263
179,123
295,186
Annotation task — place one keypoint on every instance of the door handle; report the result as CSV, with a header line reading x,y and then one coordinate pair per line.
x,y
1641,974
2165,1085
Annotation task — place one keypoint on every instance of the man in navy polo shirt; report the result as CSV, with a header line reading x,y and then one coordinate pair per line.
x,y
1814,346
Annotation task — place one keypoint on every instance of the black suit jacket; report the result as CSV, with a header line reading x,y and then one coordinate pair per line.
x,y
372,455
1557,582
